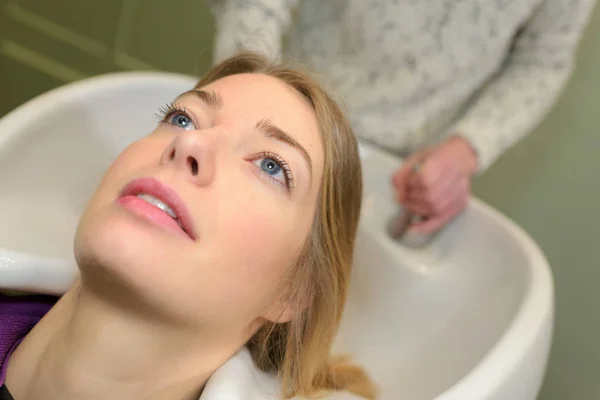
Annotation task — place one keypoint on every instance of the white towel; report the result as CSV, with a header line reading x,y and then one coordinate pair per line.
x,y
240,379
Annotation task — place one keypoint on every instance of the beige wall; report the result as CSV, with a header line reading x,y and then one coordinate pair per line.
x,y
549,183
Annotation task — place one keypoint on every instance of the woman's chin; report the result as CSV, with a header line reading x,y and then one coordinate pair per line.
x,y
125,245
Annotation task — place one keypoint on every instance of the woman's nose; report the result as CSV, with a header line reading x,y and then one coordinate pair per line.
x,y
192,154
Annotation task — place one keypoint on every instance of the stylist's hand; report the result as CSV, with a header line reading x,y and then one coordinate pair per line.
x,y
441,189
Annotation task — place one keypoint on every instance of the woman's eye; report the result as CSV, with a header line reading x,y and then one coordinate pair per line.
x,y
181,120
272,168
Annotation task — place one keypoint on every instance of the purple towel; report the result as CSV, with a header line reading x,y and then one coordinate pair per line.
x,y
18,315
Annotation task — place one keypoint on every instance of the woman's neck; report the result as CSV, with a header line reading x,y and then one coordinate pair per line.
x,y
86,348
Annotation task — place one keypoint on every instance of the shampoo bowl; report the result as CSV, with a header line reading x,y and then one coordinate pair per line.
x,y
467,318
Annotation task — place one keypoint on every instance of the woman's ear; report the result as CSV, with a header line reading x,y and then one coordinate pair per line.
x,y
280,312
286,308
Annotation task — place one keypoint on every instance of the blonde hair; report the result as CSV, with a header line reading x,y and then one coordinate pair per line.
x,y
299,350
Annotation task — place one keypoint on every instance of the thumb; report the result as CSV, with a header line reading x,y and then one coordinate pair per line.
x,y
401,176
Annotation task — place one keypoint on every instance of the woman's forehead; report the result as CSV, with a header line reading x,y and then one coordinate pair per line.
x,y
257,97
262,96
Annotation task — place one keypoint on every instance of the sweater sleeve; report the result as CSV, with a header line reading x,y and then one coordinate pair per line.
x,y
534,74
256,25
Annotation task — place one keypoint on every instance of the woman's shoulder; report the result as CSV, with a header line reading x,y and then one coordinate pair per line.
x,y
18,304
18,315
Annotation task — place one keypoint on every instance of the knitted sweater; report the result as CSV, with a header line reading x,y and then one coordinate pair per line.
x,y
413,72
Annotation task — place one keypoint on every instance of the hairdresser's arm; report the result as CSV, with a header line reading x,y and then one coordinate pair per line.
x,y
535,72
506,109
256,25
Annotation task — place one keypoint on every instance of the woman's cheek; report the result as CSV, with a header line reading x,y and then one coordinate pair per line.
x,y
136,158
261,238
121,166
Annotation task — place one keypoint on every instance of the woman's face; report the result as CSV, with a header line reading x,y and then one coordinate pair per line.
x,y
239,165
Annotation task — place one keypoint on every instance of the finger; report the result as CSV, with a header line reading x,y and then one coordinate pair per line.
x,y
418,204
440,196
430,174
439,220
455,194
433,208
418,208
437,192
431,225
401,177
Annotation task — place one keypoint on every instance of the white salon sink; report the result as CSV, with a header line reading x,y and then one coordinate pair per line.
x,y
467,318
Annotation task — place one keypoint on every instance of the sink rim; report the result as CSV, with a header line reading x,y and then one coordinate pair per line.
x,y
534,313
536,309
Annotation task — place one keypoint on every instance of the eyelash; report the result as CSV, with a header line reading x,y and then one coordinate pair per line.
x,y
287,171
168,110
171,108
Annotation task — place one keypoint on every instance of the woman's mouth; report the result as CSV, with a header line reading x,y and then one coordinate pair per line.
x,y
159,204
149,198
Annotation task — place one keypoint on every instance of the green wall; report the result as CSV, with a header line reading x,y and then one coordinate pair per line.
x,y
45,43
547,183
550,185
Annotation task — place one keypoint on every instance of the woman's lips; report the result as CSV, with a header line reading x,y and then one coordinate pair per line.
x,y
152,213
150,186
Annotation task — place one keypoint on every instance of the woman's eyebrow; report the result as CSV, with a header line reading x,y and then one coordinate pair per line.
x,y
215,101
271,131
212,99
